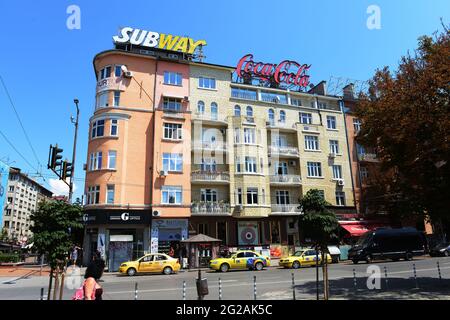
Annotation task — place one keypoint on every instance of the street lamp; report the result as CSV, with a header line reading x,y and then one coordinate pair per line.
x,y
76,101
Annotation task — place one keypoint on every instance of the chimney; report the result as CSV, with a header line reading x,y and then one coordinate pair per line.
x,y
320,89
349,91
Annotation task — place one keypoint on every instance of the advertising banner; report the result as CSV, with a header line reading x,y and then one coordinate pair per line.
x,y
248,233
101,244
4,173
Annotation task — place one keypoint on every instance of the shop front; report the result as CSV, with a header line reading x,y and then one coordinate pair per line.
x,y
167,234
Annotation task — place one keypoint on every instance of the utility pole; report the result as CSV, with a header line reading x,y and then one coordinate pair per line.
x,y
74,150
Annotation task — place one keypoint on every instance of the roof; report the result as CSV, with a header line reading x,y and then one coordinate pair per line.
x,y
201,238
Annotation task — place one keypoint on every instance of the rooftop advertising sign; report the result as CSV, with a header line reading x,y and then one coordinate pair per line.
x,y
286,72
157,40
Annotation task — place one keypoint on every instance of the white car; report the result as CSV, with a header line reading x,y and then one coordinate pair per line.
x,y
335,253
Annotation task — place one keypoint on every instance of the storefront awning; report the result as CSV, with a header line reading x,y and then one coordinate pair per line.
x,y
355,230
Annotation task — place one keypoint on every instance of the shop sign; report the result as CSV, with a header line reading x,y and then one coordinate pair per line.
x,y
287,72
158,40
170,223
125,217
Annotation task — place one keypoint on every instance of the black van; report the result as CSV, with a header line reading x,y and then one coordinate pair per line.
x,y
386,243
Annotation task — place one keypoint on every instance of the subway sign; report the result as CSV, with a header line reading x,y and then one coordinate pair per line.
x,y
286,72
158,40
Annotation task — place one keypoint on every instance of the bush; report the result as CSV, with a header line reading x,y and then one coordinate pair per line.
x,y
9,257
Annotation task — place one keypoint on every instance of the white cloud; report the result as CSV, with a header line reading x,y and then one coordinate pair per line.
x,y
59,188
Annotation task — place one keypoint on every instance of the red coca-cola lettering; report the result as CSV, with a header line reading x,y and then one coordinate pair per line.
x,y
280,73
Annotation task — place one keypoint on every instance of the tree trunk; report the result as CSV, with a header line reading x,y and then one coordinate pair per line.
x,y
50,284
55,290
317,273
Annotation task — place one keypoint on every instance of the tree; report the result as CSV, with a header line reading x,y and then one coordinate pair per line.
x,y
320,225
4,235
53,222
405,117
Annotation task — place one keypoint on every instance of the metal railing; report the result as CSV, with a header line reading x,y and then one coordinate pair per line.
x,y
210,176
286,178
285,208
367,157
286,150
280,124
209,117
210,208
205,145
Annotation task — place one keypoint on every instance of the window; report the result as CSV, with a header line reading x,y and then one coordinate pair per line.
x,y
322,105
282,116
282,197
116,101
114,127
243,93
331,122
250,164
238,164
201,107
7,224
95,161
8,212
314,169
280,141
172,78
105,72
98,128
271,114
356,125
360,149
112,154
249,135
364,173
273,97
173,131
311,143
171,195
102,100
239,196
172,104
281,168
214,111
334,146
203,228
172,162
237,134
207,83
11,188
340,198
110,193
296,102
222,231
93,195
237,111
118,70
208,195
209,165
337,171
249,111
252,195
305,118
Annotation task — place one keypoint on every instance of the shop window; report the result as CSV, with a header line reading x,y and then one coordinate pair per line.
x,y
275,232
222,232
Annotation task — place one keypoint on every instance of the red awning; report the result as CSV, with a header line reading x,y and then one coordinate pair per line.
x,y
355,230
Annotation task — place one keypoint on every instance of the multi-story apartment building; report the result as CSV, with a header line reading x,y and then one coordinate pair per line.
x,y
22,197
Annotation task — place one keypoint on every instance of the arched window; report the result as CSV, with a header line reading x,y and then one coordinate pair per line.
x,y
237,111
214,111
282,116
271,116
201,107
249,111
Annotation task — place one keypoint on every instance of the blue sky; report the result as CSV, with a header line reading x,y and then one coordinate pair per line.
x,y
45,65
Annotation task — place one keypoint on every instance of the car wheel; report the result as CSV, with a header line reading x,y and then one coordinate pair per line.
x,y
296,265
446,253
369,259
224,267
408,256
131,272
167,270
355,261
259,266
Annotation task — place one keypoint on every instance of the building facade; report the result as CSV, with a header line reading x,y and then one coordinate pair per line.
x,y
22,197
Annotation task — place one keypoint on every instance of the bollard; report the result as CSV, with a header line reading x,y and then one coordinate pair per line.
x,y
184,290
220,289
354,280
439,271
254,287
135,291
415,276
42,293
293,286
385,277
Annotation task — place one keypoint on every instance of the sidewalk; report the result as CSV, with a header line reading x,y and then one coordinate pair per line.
x,y
18,271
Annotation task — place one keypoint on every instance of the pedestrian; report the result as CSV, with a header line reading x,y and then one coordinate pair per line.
x,y
74,254
171,252
92,290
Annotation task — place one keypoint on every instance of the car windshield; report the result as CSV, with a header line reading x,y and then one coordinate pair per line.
x,y
298,253
364,239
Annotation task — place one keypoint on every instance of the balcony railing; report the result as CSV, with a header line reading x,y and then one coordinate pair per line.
x,y
244,95
367,157
284,150
209,117
204,208
210,176
311,127
280,125
206,145
286,208
286,179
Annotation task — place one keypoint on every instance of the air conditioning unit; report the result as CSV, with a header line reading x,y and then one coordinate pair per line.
x,y
163,173
127,74
332,155
292,163
156,213
340,182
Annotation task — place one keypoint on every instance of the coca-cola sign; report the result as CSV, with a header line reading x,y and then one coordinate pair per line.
x,y
286,72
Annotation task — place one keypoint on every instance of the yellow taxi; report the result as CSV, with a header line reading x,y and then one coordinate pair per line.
x,y
156,262
244,259
302,258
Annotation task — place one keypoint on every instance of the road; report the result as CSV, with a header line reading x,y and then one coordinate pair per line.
x,y
271,284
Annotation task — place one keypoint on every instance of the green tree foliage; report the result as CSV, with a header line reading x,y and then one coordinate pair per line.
x,y
406,118
51,224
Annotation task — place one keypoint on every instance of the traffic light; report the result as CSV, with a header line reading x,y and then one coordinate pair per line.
x,y
56,157
67,170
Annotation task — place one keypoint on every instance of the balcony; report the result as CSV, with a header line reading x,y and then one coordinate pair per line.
x,y
210,118
311,128
281,125
286,209
285,179
204,177
210,208
368,157
209,146
243,94
284,151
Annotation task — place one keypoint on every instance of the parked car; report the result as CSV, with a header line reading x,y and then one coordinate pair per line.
x,y
302,258
385,243
335,253
244,259
441,249
150,263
